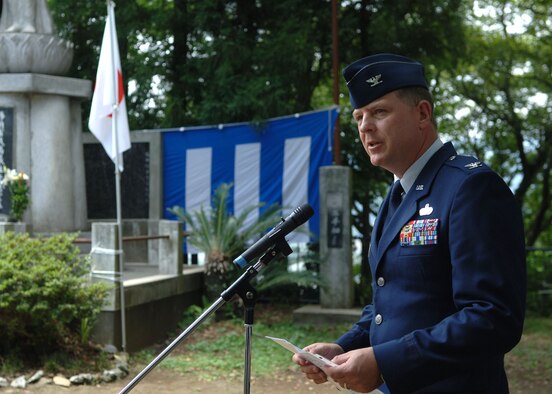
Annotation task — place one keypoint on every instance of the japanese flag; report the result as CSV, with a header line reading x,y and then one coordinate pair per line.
x,y
109,95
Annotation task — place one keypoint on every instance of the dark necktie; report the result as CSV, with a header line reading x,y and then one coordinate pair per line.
x,y
394,201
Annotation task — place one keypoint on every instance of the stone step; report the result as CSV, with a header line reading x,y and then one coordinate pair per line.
x,y
315,314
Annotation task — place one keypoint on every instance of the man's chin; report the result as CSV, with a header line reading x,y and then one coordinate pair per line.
x,y
376,161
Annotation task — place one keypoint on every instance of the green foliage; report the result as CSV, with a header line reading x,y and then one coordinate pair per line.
x,y
69,364
256,60
19,199
44,294
538,326
191,314
497,103
10,365
208,61
214,61
278,274
222,236
215,230
17,184
291,280
539,282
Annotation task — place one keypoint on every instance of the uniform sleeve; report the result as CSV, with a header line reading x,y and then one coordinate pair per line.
x,y
487,255
359,335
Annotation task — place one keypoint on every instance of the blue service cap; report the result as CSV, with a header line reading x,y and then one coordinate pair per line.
x,y
374,76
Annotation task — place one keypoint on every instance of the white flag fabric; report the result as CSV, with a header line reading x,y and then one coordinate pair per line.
x,y
109,95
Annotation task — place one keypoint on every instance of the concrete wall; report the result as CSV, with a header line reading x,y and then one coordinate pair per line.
x,y
155,295
154,307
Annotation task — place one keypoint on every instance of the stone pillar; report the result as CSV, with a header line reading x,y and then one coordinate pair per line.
x,y
105,268
47,145
105,262
46,108
336,268
170,250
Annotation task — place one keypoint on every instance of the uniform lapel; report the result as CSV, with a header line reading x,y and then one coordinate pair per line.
x,y
380,218
408,207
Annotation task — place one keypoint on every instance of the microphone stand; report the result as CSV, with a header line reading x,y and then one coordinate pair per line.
x,y
247,293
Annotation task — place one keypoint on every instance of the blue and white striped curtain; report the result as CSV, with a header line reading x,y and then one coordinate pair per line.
x,y
276,162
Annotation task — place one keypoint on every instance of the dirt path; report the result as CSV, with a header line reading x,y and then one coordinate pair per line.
x,y
161,381
164,381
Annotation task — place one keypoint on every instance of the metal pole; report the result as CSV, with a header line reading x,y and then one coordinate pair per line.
x,y
113,37
335,67
247,358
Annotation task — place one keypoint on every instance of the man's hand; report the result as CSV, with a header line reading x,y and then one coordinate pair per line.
x,y
356,370
312,372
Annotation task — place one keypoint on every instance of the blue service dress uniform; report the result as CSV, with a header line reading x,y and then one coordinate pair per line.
x,y
449,282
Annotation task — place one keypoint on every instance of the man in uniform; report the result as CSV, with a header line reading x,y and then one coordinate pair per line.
x,y
447,253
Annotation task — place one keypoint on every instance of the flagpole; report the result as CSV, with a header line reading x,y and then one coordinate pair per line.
x,y
111,15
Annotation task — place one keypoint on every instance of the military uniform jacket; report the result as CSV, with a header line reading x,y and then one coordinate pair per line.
x,y
449,282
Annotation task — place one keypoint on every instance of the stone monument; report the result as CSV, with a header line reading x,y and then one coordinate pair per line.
x,y
27,40
335,237
336,268
44,110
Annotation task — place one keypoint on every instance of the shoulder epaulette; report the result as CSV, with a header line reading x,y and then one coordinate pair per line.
x,y
466,163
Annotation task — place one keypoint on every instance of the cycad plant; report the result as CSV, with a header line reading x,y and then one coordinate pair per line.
x,y
222,236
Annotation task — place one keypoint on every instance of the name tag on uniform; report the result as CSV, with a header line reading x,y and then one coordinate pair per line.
x,y
420,232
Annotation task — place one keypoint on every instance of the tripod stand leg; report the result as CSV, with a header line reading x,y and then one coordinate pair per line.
x,y
249,297
216,305
247,368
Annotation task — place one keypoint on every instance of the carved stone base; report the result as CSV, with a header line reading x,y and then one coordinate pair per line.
x,y
34,53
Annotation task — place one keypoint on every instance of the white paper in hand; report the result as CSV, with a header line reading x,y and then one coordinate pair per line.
x,y
315,359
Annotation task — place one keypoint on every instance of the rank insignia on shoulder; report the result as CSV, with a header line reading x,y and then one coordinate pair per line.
x,y
473,165
452,158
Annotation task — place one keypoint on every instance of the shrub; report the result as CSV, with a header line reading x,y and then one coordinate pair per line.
x,y
293,280
222,236
44,295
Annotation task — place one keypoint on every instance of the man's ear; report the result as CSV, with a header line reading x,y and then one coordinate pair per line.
x,y
425,112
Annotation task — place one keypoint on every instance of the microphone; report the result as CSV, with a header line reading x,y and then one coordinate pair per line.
x,y
299,216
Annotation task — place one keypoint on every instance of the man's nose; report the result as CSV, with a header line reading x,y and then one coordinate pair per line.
x,y
366,125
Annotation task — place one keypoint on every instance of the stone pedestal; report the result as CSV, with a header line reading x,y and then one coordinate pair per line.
x,y
336,268
47,145
34,53
170,250
105,261
17,227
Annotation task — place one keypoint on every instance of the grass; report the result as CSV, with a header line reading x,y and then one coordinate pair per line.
x,y
531,359
225,352
217,348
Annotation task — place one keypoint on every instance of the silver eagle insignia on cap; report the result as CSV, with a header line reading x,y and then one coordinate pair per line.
x,y
375,80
